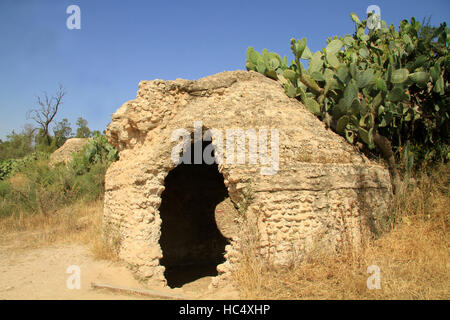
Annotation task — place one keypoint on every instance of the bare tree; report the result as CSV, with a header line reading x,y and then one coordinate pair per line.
x,y
48,107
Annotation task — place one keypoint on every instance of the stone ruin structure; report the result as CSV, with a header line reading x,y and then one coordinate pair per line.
x,y
175,212
64,154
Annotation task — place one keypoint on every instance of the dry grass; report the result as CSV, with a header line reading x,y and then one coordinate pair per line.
x,y
413,256
80,223
414,263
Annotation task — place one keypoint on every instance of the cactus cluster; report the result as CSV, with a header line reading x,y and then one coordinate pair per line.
x,y
268,63
383,88
11,166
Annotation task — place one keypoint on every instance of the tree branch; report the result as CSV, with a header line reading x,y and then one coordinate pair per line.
x,y
49,107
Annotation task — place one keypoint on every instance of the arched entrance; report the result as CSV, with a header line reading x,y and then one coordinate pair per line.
x,y
191,244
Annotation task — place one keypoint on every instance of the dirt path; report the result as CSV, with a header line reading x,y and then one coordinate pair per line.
x,y
41,273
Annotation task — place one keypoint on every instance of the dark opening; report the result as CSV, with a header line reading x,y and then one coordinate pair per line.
x,y
192,245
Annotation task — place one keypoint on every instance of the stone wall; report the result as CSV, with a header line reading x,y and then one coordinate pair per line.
x,y
323,188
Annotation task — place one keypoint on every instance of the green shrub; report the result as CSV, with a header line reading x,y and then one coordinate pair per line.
x,y
97,151
11,166
17,145
35,187
387,89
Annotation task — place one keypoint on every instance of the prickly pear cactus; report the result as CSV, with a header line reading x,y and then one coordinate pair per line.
x,y
386,89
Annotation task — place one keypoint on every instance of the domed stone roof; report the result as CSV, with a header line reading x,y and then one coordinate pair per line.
x,y
300,182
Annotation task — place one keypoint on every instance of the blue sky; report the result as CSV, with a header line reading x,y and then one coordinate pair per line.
x,y
123,42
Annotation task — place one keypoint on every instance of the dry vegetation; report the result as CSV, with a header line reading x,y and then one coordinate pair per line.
x,y
41,204
80,223
413,255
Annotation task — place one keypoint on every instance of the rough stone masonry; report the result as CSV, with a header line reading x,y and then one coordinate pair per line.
x,y
324,189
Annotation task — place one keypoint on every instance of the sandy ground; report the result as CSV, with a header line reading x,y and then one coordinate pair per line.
x,y
41,273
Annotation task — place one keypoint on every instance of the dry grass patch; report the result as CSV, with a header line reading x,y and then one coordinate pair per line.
x,y
79,223
413,256
414,263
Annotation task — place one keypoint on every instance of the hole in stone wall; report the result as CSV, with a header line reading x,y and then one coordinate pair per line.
x,y
192,245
